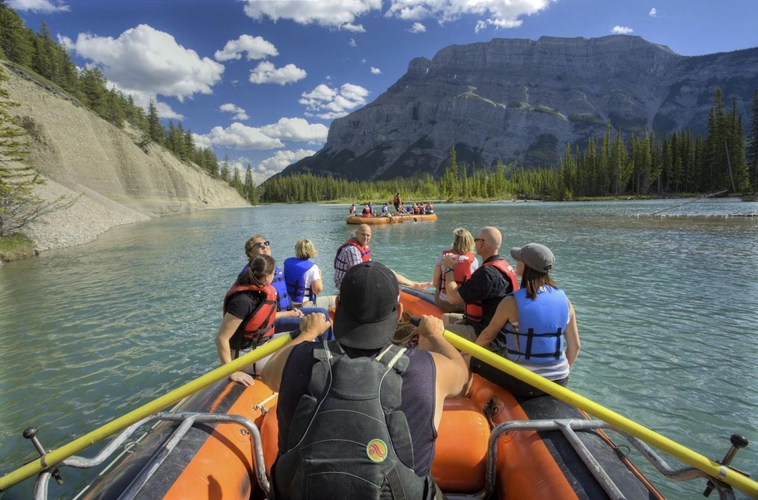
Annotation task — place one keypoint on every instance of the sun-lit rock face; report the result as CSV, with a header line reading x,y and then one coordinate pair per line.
x,y
524,100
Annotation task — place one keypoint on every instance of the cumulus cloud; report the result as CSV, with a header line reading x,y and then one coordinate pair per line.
x,y
334,14
621,30
297,130
652,12
327,103
255,47
375,71
494,13
266,72
239,113
241,137
40,6
142,99
417,28
278,162
341,15
146,60
352,43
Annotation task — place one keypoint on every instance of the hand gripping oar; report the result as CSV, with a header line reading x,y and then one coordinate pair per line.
x,y
56,456
676,450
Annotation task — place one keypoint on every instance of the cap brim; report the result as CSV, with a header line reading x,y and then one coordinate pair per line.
x,y
357,335
516,253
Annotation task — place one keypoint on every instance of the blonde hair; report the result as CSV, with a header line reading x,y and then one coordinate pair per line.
x,y
304,249
463,242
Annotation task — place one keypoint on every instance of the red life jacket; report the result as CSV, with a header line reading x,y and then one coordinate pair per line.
x,y
259,324
475,312
462,271
364,250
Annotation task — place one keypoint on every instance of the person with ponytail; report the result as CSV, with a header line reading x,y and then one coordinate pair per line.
x,y
249,315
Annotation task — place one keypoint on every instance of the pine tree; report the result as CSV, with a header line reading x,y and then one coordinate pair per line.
x,y
154,127
15,38
752,144
249,188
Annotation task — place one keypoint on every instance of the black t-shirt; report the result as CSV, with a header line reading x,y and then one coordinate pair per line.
x,y
242,304
486,284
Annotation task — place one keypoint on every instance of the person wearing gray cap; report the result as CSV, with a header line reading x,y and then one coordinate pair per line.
x,y
358,416
534,327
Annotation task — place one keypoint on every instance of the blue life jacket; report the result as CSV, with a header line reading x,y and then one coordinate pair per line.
x,y
282,299
294,276
541,323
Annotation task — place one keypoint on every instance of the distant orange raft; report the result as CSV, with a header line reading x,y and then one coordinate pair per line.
x,y
218,460
392,219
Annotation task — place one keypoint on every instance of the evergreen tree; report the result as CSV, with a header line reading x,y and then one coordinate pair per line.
x,y
225,173
154,127
249,187
15,38
92,85
752,144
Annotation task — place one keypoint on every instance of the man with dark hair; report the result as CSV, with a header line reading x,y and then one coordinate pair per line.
x,y
358,416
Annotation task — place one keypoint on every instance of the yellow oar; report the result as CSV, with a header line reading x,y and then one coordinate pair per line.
x,y
121,423
704,464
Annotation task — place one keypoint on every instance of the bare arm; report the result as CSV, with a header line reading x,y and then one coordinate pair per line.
x,y
452,371
311,327
573,345
451,287
507,311
317,287
437,276
229,325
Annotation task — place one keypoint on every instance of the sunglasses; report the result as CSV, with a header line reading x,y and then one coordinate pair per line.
x,y
262,244
478,239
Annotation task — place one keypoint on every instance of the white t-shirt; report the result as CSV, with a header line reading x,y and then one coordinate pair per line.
x,y
311,275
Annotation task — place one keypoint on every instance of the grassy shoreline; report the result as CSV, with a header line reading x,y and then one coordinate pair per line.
x,y
16,246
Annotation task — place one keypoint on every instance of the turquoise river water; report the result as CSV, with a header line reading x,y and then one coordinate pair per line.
x,y
667,307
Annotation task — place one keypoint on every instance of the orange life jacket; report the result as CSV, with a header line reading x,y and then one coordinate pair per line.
x,y
475,312
462,271
259,324
364,250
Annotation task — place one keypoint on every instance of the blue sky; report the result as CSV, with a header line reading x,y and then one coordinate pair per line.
x,y
261,80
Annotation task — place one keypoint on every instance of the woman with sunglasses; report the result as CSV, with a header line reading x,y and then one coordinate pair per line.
x,y
287,317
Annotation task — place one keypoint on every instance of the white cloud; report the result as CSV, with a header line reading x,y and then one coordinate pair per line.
x,y
375,71
40,6
239,113
297,130
495,13
266,72
352,43
653,12
417,28
143,59
165,111
278,162
621,30
241,137
327,103
256,48
335,14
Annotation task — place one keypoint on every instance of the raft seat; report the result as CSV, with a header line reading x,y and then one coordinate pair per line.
x,y
460,457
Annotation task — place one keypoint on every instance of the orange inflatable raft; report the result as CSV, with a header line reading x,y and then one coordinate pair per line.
x,y
476,456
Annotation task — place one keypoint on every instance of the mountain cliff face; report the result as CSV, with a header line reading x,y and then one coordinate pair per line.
x,y
115,182
524,100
